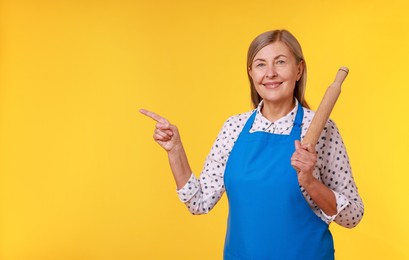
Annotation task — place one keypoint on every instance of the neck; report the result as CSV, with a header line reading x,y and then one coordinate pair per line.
x,y
274,111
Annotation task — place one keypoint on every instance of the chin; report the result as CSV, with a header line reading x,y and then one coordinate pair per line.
x,y
279,100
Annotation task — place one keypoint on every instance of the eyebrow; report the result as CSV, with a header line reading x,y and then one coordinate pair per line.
x,y
279,56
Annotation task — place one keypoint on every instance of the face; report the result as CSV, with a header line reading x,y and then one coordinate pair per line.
x,y
274,72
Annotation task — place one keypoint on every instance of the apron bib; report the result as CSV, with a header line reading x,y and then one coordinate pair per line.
x,y
268,215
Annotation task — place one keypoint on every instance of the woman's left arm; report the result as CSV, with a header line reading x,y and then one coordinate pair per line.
x,y
330,185
335,173
304,160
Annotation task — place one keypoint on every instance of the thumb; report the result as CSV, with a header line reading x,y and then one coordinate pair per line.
x,y
297,144
310,148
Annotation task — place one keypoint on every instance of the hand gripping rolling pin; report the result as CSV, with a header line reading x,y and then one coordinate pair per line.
x,y
324,110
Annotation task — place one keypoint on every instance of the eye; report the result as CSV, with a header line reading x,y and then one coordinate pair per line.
x,y
280,62
259,65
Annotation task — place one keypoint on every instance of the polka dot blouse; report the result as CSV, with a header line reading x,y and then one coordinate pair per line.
x,y
333,169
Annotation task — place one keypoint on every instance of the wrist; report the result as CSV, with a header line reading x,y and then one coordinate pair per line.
x,y
308,181
175,150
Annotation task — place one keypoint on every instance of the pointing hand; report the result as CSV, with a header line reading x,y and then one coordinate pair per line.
x,y
165,134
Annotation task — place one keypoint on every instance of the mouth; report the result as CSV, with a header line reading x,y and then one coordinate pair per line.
x,y
272,85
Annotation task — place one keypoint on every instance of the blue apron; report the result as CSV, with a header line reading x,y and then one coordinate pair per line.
x,y
269,217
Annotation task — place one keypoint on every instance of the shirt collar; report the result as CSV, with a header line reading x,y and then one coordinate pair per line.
x,y
280,126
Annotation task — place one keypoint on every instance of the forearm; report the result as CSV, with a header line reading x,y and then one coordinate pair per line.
x,y
179,165
338,193
322,196
200,195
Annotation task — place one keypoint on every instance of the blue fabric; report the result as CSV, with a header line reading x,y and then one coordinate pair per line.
x,y
268,215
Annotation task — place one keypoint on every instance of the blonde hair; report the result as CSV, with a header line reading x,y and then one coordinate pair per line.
x,y
293,45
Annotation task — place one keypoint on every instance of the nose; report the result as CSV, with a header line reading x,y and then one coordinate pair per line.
x,y
271,71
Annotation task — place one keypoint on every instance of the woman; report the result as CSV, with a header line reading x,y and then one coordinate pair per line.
x,y
275,212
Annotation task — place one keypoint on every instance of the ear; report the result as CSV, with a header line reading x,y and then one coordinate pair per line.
x,y
250,72
300,69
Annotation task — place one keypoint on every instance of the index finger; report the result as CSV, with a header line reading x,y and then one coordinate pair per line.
x,y
153,115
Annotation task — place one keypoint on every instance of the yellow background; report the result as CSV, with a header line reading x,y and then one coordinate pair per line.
x,y
81,177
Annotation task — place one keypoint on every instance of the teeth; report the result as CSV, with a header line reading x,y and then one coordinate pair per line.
x,y
275,85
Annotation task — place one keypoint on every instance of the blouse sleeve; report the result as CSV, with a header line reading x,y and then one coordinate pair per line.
x,y
201,194
336,174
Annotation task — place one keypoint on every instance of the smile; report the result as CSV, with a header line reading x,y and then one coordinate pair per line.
x,y
272,85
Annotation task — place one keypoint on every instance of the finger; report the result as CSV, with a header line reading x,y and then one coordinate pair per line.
x,y
164,126
295,166
303,156
154,116
310,148
297,144
158,136
164,133
304,150
168,132
300,166
300,154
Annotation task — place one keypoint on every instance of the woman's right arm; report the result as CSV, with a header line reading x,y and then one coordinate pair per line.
x,y
201,194
167,136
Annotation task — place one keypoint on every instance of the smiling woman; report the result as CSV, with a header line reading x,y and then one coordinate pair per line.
x,y
274,211
274,73
81,178
287,44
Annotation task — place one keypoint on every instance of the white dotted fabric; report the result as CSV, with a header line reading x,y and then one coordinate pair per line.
x,y
333,168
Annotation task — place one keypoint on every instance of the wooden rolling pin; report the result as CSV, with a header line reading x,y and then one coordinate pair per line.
x,y
324,110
